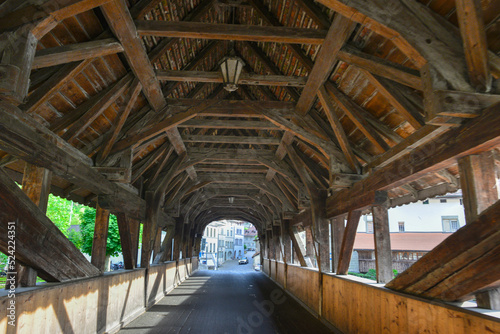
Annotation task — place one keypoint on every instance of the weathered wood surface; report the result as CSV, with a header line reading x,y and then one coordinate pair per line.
x,y
50,253
348,242
21,140
99,242
382,238
478,135
230,32
467,261
76,52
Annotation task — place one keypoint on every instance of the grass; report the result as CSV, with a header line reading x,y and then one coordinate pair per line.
x,y
4,278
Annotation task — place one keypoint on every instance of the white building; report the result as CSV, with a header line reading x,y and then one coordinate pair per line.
x,y
415,229
239,250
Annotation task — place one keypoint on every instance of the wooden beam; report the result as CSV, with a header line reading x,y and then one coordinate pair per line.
x,y
297,246
159,127
250,140
100,238
128,249
348,242
337,235
464,263
397,99
36,184
39,243
134,91
381,67
338,129
234,32
76,52
120,22
149,161
161,165
53,84
351,109
471,23
101,103
382,239
338,34
204,123
245,78
478,183
31,144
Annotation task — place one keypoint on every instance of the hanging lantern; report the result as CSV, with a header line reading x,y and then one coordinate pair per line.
x,y
231,69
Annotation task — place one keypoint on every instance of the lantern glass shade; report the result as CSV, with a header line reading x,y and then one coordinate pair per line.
x,y
231,69
231,200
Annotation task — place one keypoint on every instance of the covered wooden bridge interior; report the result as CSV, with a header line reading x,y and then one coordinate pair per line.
x,y
342,107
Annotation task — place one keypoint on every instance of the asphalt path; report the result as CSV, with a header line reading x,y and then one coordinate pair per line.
x,y
232,300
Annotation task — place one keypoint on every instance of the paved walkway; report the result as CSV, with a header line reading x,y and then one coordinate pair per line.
x,y
233,300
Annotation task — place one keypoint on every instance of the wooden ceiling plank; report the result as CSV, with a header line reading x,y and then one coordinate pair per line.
x,y
228,124
471,23
76,52
120,22
232,32
338,34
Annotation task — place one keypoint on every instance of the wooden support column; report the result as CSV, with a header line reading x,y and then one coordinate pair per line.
x,y
310,244
179,227
338,227
382,236
149,228
35,184
17,50
134,228
285,236
348,242
277,243
479,190
157,242
189,242
125,229
100,238
166,246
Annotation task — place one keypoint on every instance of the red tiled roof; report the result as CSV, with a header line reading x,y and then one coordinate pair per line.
x,y
403,241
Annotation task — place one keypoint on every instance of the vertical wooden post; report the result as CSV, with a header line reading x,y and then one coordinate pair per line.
x,y
338,227
157,242
310,244
179,226
17,50
479,190
190,237
277,242
35,184
124,227
285,227
382,236
100,238
149,228
134,228
348,242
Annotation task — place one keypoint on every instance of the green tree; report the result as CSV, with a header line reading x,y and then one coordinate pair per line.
x,y
113,246
63,213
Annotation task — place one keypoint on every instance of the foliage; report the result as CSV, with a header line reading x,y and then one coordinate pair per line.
x,y
113,247
371,274
63,213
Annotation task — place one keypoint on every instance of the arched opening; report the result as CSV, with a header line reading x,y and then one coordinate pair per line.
x,y
230,242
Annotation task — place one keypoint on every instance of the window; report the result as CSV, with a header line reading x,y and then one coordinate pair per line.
x,y
401,226
369,227
450,223
442,200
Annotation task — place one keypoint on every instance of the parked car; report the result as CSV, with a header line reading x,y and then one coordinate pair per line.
x,y
243,260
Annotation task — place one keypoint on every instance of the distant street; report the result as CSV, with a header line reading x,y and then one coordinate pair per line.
x,y
234,299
